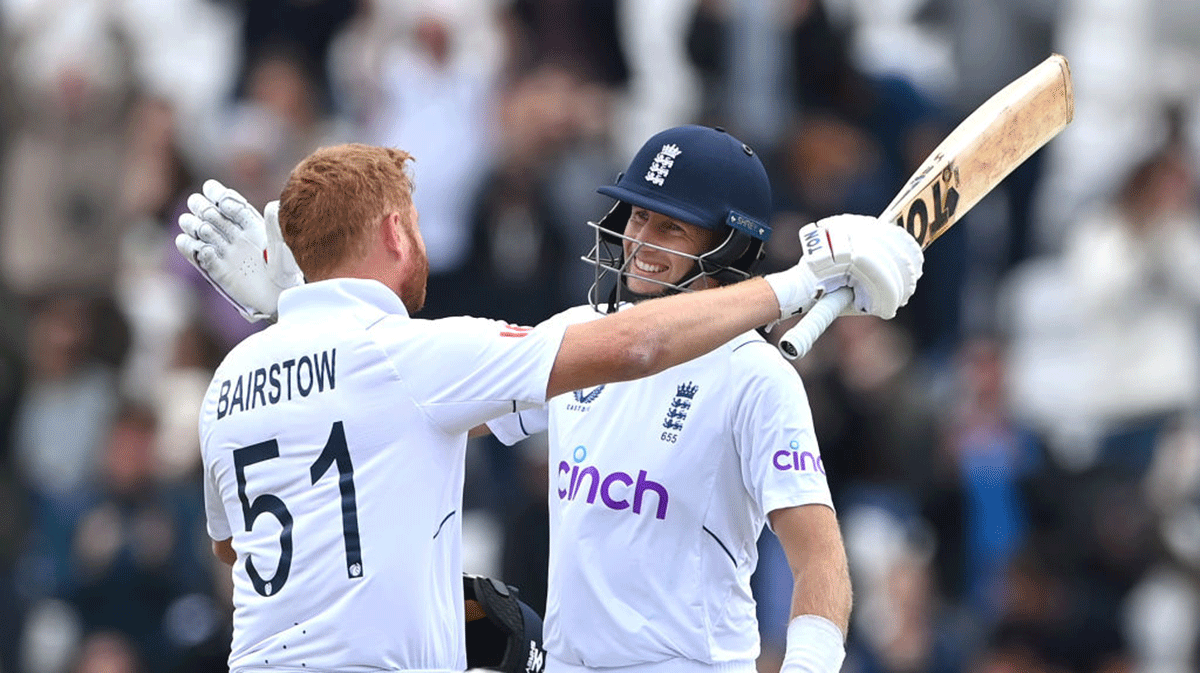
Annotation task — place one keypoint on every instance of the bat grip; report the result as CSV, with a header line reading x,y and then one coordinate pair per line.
x,y
800,339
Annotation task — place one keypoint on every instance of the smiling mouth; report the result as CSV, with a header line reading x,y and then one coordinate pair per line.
x,y
648,268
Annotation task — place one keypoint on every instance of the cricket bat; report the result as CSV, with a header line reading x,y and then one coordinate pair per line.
x,y
980,152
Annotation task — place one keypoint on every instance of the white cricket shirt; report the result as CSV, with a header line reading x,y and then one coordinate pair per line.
x,y
659,489
333,446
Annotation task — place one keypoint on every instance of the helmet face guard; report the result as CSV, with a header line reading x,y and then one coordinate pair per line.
x,y
696,175
728,262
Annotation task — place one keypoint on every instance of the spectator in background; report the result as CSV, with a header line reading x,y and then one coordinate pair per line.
x,y
278,121
134,556
903,622
437,100
304,29
914,631
527,216
1132,265
60,424
157,177
72,87
525,555
108,652
870,410
580,36
828,165
994,456
876,414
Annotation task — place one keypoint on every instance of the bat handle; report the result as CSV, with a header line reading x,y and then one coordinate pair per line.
x,y
800,339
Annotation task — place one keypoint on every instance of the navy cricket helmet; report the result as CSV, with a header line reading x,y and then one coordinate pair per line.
x,y
698,175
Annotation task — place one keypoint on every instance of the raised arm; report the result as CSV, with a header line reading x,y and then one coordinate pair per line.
x,y
880,264
243,255
658,334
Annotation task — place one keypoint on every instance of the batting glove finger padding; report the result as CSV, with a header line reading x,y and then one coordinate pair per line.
x,y
879,261
887,264
226,239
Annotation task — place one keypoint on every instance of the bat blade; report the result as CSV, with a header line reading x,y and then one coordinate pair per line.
x,y
983,149
977,155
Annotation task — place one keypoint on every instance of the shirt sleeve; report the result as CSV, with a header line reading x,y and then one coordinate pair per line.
x,y
467,371
773,430
214,507
512,428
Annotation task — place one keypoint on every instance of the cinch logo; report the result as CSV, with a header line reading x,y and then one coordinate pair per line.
x,y
795,459
572,480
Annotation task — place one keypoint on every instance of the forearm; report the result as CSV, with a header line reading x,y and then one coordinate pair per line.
x,y
821,587
683,327
821,593
659,334
820,618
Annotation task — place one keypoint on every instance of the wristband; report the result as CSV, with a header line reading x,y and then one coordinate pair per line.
x,y
814,645
796,289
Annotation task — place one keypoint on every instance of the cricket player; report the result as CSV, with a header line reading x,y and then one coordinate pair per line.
x,y
361,569
661,486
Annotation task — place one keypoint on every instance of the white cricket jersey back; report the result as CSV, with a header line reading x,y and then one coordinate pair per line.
x,y
333,447
659,489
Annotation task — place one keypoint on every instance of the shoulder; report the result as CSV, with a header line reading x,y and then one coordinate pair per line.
x,y
751,350
757,363
445,330
574,315
246,351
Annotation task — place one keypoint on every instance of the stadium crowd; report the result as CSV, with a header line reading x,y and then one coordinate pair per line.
x,y
1015,458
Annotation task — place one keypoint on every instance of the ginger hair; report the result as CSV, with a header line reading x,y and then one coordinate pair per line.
x,y
335,200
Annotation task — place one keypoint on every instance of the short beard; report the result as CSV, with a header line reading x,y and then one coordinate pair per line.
x,y
412,288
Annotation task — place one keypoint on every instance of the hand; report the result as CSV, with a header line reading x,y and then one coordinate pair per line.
x,y
238,251
879,261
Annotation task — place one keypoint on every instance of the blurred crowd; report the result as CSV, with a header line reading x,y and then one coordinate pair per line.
x,y
1015,459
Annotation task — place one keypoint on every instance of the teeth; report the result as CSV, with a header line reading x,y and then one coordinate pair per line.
x,y
648,268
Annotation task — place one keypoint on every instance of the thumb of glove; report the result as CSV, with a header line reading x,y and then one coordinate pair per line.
x,y
284,270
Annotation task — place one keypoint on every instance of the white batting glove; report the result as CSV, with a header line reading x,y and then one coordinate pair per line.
x,y
238,251
880,261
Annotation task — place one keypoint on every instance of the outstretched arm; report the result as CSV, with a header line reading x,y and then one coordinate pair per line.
x,y
244,256
658,334
821,591
878,261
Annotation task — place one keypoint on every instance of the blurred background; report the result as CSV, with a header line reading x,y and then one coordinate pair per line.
x,y
1015,458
